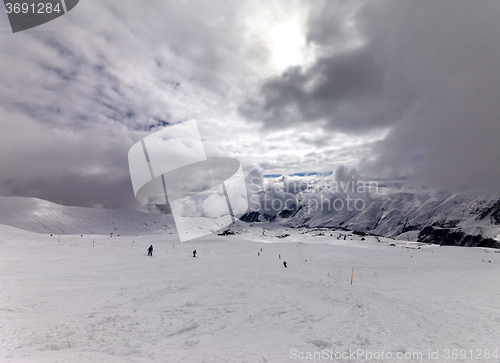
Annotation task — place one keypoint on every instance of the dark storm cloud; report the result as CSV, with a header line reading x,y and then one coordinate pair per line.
x,y
449,53
427,70
84,168
78,92
349,87
348,90
67,189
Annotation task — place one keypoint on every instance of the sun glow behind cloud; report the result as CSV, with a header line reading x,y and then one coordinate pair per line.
x,y
280,30
289,46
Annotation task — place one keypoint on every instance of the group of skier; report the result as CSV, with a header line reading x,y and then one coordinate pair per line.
x,y
279,256
150,253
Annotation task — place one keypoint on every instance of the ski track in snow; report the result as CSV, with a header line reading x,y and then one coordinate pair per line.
x,y
70,301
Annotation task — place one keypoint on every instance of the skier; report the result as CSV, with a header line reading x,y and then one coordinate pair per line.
x,y
284,263
194,253
150,251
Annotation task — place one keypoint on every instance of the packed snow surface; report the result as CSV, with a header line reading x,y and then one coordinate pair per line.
x,y
101,299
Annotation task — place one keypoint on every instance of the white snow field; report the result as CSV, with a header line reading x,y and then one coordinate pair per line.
x,y
68,300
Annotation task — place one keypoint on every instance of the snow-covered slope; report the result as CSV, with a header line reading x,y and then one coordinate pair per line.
x,y
72,301
96,299
38,215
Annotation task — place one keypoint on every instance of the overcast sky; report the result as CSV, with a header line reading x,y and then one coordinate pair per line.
x,y
395,89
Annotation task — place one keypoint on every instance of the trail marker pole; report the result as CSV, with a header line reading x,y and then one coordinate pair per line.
x,y
352,275
59,238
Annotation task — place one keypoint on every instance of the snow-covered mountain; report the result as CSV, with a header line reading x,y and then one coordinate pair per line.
x,y
393,209
41,216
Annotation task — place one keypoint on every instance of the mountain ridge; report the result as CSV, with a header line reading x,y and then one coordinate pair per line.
x,y
396,209
37,215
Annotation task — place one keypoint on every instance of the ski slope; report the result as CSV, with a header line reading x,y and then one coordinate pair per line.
x,y
37,215
101,299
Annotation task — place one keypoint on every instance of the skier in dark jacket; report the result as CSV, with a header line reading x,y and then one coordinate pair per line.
x,y
194,253
150,250
284,263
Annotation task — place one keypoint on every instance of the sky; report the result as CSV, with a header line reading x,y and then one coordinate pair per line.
x,y
395,89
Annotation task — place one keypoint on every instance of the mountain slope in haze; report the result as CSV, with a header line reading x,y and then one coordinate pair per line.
x,y
41,216
394,209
